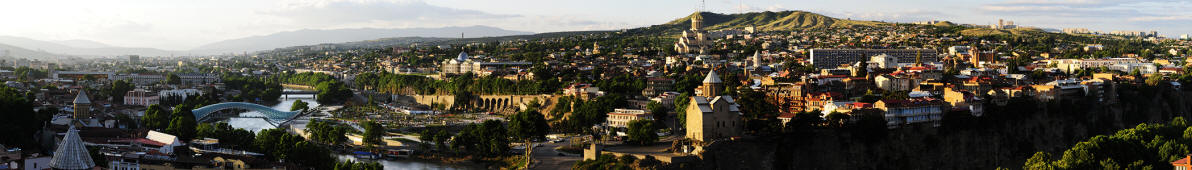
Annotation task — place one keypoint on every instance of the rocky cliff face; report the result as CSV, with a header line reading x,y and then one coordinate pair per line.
x,y
1005,137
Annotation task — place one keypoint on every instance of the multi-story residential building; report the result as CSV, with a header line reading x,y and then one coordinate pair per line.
x,y
141,97
1071,65
845,107
622,117
139,79
896,82
817,100
831,58
922,110
198,78
964,100
667,99
788,96
583,91
657,85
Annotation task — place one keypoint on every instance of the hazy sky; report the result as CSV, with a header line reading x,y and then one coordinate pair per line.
x,y
185,24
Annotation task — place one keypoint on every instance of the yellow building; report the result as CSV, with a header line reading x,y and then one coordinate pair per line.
x,y
711,116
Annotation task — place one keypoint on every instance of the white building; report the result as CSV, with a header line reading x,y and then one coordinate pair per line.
x,y
622,117
141,97
166,142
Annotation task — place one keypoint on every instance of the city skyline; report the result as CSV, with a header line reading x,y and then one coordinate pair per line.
x,y
173,25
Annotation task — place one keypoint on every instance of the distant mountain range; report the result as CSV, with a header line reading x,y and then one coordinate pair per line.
x,y
75,47
21,47
312,37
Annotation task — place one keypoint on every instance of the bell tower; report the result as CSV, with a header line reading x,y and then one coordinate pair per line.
x,y
712,85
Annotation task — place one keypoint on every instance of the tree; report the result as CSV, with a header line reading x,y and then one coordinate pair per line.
x,y
528,126
327,132
1154,79
182,124
118,89
836,119
657,110
156,118
299,105
642,132
373,133
173,79
485,139
804,121
18,121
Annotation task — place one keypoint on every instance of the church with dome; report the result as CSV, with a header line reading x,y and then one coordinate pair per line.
x,y
695,40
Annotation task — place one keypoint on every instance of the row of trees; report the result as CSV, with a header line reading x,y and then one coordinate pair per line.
x,y
467,82
327,132
278,144
331,90
253,88
179,122
228,136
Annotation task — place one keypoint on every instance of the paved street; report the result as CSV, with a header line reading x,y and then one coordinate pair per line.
x,y
546,157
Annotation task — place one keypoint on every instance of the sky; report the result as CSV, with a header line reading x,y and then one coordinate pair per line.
x,y
186,24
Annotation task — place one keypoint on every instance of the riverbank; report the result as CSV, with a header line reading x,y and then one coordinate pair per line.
x,y
504,162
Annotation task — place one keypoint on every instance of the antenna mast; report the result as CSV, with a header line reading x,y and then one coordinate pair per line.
x,y
701,5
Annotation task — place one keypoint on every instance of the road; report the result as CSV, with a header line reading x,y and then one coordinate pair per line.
x,y
545,157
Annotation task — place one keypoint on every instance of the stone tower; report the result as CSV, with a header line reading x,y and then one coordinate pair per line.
x,y
712,85
82,106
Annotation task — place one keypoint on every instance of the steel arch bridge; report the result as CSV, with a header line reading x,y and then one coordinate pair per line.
x,y
206,112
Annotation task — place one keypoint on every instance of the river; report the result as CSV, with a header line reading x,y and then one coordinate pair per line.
x,y
256,125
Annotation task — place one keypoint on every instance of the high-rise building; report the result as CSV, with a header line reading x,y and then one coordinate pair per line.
x,y
134,59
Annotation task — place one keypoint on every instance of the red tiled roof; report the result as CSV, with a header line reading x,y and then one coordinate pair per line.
x,y
1181,161
148,142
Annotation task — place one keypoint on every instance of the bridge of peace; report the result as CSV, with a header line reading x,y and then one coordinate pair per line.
x,y
213,112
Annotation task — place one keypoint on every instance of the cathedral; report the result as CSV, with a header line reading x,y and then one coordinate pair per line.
x,y
694,40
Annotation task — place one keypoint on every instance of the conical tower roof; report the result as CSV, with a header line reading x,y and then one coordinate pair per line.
x,y
82,98
712,77
71,154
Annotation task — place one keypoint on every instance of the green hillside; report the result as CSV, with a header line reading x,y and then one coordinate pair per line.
x,y
768,21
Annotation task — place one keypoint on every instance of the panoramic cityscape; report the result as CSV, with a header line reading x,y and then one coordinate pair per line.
x,y
466,84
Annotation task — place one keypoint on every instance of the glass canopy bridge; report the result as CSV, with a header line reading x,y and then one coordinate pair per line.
x,y
275,117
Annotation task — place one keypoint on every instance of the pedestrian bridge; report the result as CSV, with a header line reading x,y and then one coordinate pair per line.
x,y
208,113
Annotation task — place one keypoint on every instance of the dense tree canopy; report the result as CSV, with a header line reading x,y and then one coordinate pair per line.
x,y
642,132
18,121
1146,146
374,133
486,139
